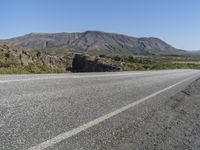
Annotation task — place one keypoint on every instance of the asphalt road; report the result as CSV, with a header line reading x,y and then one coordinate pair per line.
x,y
81,111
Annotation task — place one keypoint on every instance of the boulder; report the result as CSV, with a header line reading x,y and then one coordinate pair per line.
x,y
85,63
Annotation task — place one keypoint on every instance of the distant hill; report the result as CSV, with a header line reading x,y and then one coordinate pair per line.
x,y
196,52
95,42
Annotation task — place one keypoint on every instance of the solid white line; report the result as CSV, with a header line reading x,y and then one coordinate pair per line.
x,y
92,123
71,77
74,76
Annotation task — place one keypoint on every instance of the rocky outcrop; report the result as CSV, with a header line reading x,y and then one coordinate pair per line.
x,y
85,63
18,56
38,61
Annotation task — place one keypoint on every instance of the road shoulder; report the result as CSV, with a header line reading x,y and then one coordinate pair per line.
x,y
175,125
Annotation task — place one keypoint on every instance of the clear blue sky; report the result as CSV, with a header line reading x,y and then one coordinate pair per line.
x,y
175,21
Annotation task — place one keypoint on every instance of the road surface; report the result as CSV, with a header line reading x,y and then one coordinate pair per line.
x,y
81,111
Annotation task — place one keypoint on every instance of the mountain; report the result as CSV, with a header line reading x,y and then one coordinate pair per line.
x,y
95,42
196,52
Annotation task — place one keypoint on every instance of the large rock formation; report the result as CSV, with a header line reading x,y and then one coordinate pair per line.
x,y
85,63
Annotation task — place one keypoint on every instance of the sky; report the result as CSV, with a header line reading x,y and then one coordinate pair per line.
x,y
175,21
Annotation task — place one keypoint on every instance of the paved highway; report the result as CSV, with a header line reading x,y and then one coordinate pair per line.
x,y
82,111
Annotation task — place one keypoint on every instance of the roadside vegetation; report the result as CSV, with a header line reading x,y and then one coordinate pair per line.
x,y
12,65
157,62
21,61
130,63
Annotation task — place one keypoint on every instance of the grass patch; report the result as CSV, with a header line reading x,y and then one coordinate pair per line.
x,y
157,62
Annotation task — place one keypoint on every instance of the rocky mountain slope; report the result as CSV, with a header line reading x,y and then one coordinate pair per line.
x,y
95,42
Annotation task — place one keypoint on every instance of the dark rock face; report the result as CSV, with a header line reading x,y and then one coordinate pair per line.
x,y
82,63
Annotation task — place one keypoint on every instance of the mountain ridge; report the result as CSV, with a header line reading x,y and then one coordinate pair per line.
x,y
95,42
196,51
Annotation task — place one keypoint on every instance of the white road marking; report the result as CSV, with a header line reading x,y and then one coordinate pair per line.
x,y
75,76
68,134
72,77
